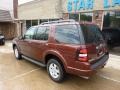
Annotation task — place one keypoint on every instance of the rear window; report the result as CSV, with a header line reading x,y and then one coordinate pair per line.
x,y
68,34
92,33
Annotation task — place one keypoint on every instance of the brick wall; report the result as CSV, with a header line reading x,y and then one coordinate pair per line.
x,y
9,30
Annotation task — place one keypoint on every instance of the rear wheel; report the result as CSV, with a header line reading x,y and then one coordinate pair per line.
x,y
17,54
55,70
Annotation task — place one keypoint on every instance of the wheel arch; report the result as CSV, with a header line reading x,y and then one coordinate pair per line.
x,y
58,57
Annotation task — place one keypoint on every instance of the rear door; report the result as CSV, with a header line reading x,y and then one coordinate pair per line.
x,y
40,44
67,41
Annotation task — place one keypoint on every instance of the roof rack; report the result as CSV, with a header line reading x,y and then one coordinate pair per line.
x,y
58,21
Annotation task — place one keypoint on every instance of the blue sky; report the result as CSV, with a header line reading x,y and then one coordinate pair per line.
x,y
23,1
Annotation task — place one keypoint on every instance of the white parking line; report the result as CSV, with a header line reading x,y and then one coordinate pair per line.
x,y
108,78
21,75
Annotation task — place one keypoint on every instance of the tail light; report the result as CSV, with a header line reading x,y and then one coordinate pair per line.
x,y
83,56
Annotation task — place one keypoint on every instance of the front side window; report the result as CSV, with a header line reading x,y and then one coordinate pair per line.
x,y
68,34
42,33
30,33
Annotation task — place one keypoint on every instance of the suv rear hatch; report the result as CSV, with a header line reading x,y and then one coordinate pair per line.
x,y
94,42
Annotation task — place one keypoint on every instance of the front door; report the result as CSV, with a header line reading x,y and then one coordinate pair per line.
x,y
25,43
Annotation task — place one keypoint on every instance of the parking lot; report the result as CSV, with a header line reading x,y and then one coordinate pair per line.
x,y
23,75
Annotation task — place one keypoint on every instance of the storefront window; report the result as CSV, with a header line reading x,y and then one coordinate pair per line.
x,y
34,22
53,19
112,19
43,20
86,17
28,24
74,16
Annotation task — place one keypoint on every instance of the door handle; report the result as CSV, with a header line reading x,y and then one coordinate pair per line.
x,y
46,44
29,42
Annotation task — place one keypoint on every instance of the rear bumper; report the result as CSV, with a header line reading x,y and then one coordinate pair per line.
x,y
93,68
101,62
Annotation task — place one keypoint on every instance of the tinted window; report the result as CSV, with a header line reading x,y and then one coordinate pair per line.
x,y
42,33
30,33
92,33
67,34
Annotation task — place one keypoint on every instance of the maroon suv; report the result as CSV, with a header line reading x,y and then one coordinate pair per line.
x,y
63,46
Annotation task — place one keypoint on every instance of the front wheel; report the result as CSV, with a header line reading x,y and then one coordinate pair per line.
x,y
17,54
55,70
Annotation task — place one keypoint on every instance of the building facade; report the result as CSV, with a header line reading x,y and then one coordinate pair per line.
x,y
97,11
8,18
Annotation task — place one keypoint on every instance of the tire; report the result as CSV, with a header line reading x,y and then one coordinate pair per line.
x,y
17,54
55,70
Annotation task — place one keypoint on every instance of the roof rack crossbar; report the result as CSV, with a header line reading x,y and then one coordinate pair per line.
x,y
58,21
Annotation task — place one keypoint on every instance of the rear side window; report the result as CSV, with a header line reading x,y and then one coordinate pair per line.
x,y
42,33
92,33
68,34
